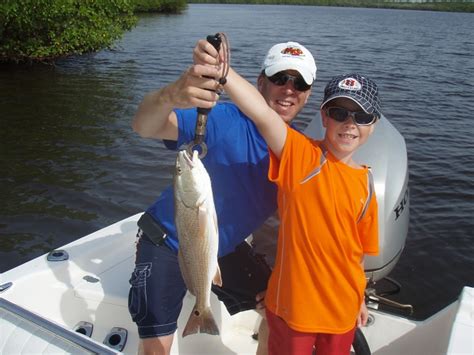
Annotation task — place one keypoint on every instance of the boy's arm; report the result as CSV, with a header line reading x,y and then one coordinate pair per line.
x,y
363,315
155,117
251,102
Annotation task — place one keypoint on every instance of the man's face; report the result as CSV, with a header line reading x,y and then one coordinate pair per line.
x,y
285,99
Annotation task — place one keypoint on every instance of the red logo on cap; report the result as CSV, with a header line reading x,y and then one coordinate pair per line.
x,y
349,84
292,51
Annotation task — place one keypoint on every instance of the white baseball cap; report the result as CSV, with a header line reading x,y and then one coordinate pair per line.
x,y
290,56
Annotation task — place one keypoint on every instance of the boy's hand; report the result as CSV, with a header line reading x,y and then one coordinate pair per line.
x,y
204,53
363,315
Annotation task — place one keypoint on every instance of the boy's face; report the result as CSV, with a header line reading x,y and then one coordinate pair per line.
x,y
285,99
344,137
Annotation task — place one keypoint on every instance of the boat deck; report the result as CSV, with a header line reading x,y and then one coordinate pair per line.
x,y
91,287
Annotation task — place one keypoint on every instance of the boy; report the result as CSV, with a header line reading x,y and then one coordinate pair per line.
x,y
328,217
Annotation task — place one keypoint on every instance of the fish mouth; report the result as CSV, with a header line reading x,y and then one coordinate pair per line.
x,y
188,159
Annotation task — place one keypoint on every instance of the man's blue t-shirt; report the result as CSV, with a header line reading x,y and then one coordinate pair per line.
x,y
237,162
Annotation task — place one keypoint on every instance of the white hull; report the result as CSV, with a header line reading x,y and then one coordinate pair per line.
x,y
92,286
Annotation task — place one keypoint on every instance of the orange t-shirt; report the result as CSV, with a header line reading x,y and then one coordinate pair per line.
x,y
317,284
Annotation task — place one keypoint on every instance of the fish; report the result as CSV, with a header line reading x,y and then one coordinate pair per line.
x,y
198,236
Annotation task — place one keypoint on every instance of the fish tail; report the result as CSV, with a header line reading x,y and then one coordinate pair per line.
x,y
201,322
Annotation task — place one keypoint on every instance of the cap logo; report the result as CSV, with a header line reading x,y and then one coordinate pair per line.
x,y
349,84
292,51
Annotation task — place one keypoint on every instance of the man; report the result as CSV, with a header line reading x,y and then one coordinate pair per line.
x,y
237,162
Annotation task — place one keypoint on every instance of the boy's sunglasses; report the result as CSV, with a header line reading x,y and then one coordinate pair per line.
x,y
340,114
281,78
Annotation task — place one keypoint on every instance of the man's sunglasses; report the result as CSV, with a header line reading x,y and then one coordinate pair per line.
x,y
282,78
340,114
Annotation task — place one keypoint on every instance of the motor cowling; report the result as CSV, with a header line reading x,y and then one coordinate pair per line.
x,y
386,154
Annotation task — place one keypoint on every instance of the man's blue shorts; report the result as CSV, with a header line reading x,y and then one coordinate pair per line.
x,y
157,287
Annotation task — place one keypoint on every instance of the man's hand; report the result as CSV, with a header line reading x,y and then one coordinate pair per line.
x,y
195,88
260,308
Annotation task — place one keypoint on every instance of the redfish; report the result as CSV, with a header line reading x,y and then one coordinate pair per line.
x,y
196,223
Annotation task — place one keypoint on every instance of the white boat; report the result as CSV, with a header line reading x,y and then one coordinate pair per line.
x,y
50,303
74,300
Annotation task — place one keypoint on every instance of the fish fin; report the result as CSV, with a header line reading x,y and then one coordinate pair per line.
x,y
217,280
184,273
201,323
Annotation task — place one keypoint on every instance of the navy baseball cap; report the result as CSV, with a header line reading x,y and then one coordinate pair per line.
x,y
357,88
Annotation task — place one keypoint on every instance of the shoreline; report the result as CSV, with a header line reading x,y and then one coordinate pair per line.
x,y
446,6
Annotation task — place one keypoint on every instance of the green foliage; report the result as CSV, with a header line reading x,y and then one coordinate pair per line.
x,y
167,6
42,30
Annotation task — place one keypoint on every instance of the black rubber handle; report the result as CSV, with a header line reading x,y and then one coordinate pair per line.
x,y
216,41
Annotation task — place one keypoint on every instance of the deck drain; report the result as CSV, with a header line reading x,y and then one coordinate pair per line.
x,y
84,328
58,255
116,339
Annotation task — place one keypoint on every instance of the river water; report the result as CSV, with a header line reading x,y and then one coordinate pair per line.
x,y
70,163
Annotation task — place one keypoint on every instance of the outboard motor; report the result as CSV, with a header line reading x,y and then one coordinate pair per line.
x,y
385,152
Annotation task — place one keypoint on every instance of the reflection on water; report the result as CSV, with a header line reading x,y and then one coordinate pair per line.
x,y
61,131
70,163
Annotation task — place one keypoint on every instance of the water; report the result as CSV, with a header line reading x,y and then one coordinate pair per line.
x,y
70,163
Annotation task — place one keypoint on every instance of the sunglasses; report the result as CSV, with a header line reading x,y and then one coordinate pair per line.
x,y
282,78
340,114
